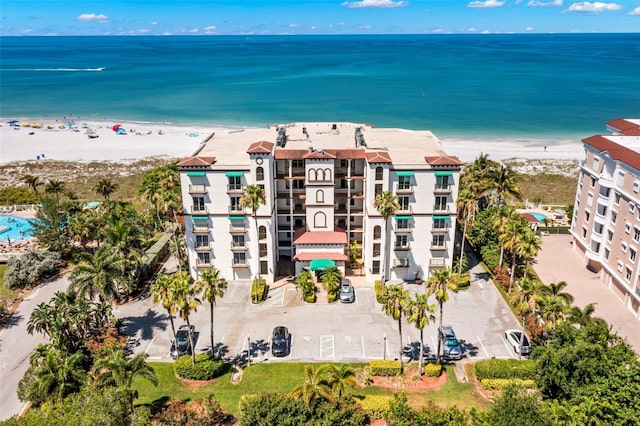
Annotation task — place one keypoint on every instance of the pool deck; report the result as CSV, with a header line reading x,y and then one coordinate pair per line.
x,y
21,246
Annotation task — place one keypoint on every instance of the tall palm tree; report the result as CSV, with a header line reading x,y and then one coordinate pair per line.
x,y
503,184
253,196
100,274
525,299
34,182
421,314
340,378
395,305
386,202
511,239
555,304
467,208
163,290
58,374
187,301
105,188
314,389
55,187
499,221
440,284
214,287
584,316
527,247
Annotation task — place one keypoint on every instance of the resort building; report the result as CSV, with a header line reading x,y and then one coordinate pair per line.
x,y
320,182
606,216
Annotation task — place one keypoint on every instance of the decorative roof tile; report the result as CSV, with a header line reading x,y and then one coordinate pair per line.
x,y
313,255
303,236
378,157
197,161
443,160
262,147
615,150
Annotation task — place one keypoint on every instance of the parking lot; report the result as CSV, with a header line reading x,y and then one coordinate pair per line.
x,y
324,332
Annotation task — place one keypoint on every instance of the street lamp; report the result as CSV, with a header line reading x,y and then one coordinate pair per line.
x,y
249,350
384,346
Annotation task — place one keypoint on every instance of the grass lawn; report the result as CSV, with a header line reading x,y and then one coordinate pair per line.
x,y
283,377
3,269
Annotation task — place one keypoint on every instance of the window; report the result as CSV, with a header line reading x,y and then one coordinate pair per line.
x,y
378,188
344,163
623,247
404,182
586,216
607,252
403,202
589,199
234,183
604,191
627,228
614,216
632,255
264,267
602,209
597,228
632,207
262,233
238,241
617,198
379,173
442,182
584,232
198,204
259,173
376,249
593,181
234,204
437,241
636,187
596,164
377,232
262,250
609,235
627,274
298,184
203,258
327,174
402,224
636,234
595,247
319,196
320,220
441,203
240,259
375,267
439,224
620,179
619,267
402,241
297,163
202,241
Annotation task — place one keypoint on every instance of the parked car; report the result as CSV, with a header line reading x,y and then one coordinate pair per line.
x,y
451,347
182,345
519,341
280,341
347,293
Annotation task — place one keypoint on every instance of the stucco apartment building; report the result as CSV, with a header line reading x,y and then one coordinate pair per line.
x,y
320,181
606,221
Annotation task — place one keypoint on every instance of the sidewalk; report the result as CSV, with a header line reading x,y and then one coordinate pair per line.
x,y
556,262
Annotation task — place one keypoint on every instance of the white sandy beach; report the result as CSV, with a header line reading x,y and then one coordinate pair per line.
x,y
157,139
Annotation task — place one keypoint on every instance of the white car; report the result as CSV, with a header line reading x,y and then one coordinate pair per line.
x,y
516,339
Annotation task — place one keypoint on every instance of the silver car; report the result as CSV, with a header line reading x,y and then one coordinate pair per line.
x,y
519,341
347,293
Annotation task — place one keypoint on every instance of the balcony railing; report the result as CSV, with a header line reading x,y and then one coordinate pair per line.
x,y
440,230
401,247
404,210
234,188
240,228
236,210
437,262
403,230
240,264
438,246
199,229
197,189
238,246
199,210
442,189
203,263
441,208
404,188
401,263
203,247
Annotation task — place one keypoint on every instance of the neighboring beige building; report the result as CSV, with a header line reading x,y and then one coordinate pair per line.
x,y
320,181
606,217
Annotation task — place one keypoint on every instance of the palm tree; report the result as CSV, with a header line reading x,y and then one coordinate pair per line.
x,y
467,208
527,247
115,369
421,314
440,284
584,316
331,279
56,187
163,290
511,239
387,204
99,274
186,301
340,378
214,287
253,196
33,182
314,389
500,220
555,303
58,374
40,320
503,184
525,299
105,188
395,305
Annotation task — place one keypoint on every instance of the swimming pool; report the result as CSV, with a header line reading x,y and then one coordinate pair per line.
x,y
17,228
539,216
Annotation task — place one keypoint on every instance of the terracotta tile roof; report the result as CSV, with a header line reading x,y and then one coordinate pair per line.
x,y
319,155
616,151
290,154
313,255
197,161
344,154
299,154
262,147
319,237
443,160
378,157
625,127
530,218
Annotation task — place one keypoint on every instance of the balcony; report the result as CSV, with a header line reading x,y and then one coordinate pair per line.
x,y
441,208
203,264
406,230
240,228
200,229
203,248
197,189
234,188
199,210
240,264
442,230
442,189
238,246
404,188
438,246
400,263
401,247
284,227
404,210
437,262
236,210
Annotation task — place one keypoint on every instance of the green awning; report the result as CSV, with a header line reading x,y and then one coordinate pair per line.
x,y
234,174
238,217
444,173
403,217
201,174
321,264
440,217
405,173
200,217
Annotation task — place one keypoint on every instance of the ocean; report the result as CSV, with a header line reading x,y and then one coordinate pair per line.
x,y
500,86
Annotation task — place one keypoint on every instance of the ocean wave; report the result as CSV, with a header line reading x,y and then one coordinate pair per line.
x,y
56,69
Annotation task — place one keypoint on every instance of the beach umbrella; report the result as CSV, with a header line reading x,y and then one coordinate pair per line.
x,y
116,127
121,131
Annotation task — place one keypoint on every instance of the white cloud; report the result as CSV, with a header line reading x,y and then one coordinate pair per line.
x,y
294,25
486,3
535,3
210,28
93,17
472,30
365,27
154,23
595,7
374,3
635,11
529,29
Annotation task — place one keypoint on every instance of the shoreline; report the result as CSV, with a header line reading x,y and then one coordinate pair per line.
x,y
154,139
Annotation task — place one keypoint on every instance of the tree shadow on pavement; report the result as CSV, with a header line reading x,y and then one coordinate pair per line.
x,y
146,324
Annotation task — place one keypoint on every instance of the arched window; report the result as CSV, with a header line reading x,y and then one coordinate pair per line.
x,y
319,220
262,233
312,175
320,174
327,174
379,173
319,196
377,232
259,173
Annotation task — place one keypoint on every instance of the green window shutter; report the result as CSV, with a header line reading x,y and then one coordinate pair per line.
x,y
192,174
234,174
441,217
238,217
402,217
444,173
405,173
200,217
321,264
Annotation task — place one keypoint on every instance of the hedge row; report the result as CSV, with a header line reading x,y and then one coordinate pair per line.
x,y
375,405
506,369
381,291
384,368
205,368
499,384
432,370
258,292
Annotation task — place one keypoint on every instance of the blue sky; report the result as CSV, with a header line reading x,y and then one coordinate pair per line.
x,y
268,17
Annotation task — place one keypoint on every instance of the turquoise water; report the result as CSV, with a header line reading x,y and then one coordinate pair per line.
x,y
517,86
539,216
17,228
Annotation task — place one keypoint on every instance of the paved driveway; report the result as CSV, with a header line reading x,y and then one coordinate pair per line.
x,y
557,261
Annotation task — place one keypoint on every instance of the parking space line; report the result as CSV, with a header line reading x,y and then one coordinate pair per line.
x,y
506,345
149,345
290,348
364,353
483,348
327,340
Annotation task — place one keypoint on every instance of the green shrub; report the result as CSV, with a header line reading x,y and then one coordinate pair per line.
x,y
309,298
385,368
499,384
258,292
432,370
29,268
332,296
506,369
205,368
9,196
464,283
381,291
375,405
